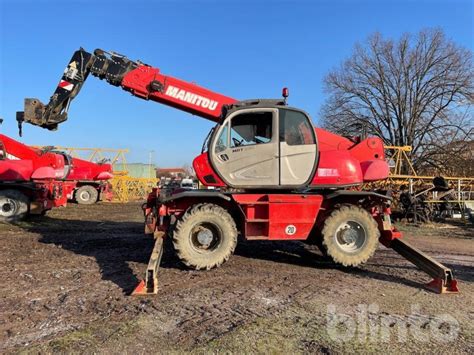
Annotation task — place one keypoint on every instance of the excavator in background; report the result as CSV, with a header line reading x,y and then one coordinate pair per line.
x,y
275,176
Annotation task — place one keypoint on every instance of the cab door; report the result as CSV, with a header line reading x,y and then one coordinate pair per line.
x,y
298,148
245,152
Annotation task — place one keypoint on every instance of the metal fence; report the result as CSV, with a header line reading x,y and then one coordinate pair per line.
x,y
127,188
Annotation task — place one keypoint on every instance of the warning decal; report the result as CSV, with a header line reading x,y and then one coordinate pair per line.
x,y
66,85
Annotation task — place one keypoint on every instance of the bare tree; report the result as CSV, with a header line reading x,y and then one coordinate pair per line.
x,y
189,171
415,91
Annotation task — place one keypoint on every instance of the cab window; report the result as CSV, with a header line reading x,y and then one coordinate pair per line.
x,y
295,128
251,128
222,141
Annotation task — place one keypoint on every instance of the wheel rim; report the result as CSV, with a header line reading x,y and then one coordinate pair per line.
x,y
350,236
8,207
205,237
85,195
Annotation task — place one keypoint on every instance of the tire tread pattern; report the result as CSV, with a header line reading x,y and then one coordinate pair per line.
x,y
344,213
92,191
21,199
204,212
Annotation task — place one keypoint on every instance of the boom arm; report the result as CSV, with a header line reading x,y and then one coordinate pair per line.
x,y
140,79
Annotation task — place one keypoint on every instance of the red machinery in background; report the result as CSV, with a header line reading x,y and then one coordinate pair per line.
x,y
91,181
32,184
278,177
87,182
34,180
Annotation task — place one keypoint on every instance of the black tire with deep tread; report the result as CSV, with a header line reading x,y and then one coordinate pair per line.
x,y
335,219
92,193
211,214
21,205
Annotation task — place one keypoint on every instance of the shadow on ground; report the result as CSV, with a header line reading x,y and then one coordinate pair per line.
x,y
112,244
115,244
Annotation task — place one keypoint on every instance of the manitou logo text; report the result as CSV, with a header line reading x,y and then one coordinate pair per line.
x,y
191,98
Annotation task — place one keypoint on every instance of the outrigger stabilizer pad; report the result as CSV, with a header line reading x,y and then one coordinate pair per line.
x,y
440,286
149,286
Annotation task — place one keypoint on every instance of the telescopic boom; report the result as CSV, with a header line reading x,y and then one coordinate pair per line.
x,y
139,79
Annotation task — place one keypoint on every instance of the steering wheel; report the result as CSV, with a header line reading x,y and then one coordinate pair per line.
x,y
237,142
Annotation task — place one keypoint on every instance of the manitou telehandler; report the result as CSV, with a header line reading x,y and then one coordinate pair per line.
x,y
91,181
31,180
34,180
276,176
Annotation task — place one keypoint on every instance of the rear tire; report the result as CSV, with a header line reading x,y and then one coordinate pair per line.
x,y
205,237
350,236
86,195
14,205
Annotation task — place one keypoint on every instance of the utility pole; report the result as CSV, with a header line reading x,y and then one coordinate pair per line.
x,y
149,163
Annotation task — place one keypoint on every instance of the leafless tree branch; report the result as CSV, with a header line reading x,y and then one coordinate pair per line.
x,y
417,91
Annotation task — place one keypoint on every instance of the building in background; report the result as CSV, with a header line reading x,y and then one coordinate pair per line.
x,y
139,170
173,173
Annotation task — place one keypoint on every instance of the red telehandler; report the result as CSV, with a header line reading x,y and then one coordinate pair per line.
x,y
91,181
86,182
31,180
34,180
276,176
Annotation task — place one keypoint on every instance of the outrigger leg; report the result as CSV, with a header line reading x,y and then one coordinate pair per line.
x,y
443,278
149,286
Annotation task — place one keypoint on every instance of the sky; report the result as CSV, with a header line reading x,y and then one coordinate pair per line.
x,y
241,49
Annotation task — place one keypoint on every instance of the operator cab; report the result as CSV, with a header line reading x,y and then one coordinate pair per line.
x,y
263,144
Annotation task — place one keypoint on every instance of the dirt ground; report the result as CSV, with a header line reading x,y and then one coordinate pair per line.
x,y
66,279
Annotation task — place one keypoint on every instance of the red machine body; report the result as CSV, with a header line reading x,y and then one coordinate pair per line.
x,y
90,176
337,162
345,162
202,167
174,92
342,162
43,165
51,178
31,181
279,177
83,170
16,170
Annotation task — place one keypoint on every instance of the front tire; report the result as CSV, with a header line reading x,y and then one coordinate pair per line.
x,y
350,236
205,237
86,195
14,206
